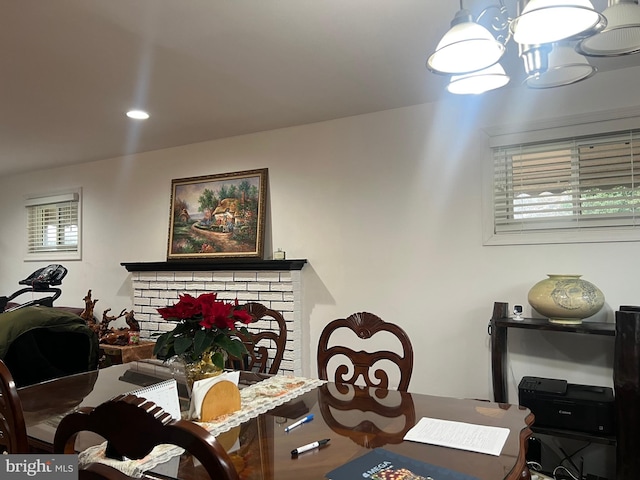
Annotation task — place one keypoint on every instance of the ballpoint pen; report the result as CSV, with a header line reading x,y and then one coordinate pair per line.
x,y
310,446
306,419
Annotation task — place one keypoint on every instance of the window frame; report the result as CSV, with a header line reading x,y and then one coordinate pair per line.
x,y
551,131
57,200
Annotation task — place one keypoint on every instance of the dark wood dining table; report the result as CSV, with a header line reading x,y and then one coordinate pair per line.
x,y
355,419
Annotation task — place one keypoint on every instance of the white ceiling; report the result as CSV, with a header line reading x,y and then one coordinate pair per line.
x,y
204,69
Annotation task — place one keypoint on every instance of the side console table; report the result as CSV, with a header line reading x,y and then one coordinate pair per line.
x,y
626,376
117,354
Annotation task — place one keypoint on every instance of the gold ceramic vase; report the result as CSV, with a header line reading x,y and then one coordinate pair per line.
x,y
566,299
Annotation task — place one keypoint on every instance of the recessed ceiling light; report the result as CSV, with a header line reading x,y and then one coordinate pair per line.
x,y
138,114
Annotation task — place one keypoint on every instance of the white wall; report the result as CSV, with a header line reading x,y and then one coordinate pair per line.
x,y
386,207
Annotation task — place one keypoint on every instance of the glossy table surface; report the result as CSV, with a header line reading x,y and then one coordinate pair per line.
x,y
355,420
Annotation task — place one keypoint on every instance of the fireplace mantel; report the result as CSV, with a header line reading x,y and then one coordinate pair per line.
x,y
277,284
215,265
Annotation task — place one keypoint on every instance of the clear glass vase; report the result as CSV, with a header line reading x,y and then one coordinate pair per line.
x,y
186,370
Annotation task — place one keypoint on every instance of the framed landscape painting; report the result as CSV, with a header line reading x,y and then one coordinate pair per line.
x,y
218,216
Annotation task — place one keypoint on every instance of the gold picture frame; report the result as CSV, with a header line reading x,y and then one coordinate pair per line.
x,y
218,216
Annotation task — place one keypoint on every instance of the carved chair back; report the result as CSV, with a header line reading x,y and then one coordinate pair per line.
x,y
266,348
13,431
362,364
133,426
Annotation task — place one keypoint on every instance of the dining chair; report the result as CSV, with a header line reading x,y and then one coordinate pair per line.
x,y
364,364
13,431
133,426
265,348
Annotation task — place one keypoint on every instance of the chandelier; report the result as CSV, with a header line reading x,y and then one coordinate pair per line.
x,y
553,39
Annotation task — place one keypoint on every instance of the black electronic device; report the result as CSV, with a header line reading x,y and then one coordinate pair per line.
x,y
567,406
44,277
542,385
40,281
517,312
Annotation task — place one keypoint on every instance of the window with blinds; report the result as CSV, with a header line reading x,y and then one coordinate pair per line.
x,y
580,184
53,227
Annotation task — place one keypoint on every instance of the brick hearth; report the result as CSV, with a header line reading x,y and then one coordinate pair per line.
x,y
276,284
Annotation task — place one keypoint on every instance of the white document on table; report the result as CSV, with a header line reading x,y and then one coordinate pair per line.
x,y
460,435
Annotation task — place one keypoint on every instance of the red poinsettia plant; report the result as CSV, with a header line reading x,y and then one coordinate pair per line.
x,y
205,325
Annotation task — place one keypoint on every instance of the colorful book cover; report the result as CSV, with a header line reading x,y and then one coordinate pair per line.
x,y
381,464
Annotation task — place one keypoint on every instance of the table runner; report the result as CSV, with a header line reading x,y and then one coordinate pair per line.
x,y
255,399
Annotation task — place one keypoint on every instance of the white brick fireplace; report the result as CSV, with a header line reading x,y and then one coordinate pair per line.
x,y
274,283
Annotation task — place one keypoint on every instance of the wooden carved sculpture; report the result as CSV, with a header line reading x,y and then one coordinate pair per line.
x,y
106,320
87,313
134,326
106,334
120,336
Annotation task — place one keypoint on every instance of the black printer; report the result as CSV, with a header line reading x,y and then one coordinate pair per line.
x,y
562,405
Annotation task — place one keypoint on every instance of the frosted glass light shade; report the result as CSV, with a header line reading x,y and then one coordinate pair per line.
x,y
478,82
622,35
566,66
547,21
466,47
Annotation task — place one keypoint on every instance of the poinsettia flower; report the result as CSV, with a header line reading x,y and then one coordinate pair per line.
x,y
217,315
205,324
187,307
243,316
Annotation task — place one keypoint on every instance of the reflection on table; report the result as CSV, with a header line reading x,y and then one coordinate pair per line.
x,y
381,419
356,419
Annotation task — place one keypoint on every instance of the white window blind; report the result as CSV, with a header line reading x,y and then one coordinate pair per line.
x,y
584,183
53,227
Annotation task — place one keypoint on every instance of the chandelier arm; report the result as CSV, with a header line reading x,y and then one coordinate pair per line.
x,y
498,23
